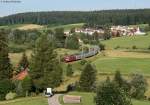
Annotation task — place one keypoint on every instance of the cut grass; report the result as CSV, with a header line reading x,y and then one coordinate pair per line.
x,y
26,101
88,99
141,42
68,27
125,65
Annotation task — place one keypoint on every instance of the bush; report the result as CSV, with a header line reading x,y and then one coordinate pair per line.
x,y
86,41
117,47
10,96
83,62
5,87
149,48
101,46
134,47
138,86
16,49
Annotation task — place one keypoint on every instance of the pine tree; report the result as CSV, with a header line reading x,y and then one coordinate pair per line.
x,y
24,63
45,70
108,93
88,78
27,85
5,66
69,71
122,83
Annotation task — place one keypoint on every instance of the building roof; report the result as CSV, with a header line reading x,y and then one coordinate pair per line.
x,y
22,75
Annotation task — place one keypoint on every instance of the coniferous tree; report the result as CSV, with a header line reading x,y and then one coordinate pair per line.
x,y
69,71
122,83
88,78
45,70
5,66
24,63
108,93
138,86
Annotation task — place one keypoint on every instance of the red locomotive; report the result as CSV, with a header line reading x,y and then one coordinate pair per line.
x,y
92,52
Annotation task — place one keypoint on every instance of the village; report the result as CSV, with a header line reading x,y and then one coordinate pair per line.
x,y
115,31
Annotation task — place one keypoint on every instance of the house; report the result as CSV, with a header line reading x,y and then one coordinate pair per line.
x,y
22,75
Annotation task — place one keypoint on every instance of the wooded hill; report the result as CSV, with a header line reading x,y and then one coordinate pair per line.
x,y
115,17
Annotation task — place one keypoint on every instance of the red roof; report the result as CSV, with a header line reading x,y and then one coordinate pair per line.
x,y
22,75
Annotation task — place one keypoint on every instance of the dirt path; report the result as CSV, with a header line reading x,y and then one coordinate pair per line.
x,y
54,100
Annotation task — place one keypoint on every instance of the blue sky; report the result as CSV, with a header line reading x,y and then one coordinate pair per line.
x,y
67,5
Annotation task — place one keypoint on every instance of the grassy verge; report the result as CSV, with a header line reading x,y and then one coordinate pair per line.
x,y
26,101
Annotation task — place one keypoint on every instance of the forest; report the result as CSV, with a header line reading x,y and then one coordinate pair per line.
x,y
114,17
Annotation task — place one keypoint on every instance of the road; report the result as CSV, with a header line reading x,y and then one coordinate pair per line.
x,y
54,100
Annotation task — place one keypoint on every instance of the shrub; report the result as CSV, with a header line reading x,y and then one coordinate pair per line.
x,y
5,87
117,47
69,71
134,47
83,62
149,48
101,46
86,41
138,86
10,96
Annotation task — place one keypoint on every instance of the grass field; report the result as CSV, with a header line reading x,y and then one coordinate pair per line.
x,y
141,42
87,99
26,101
125,65
68,27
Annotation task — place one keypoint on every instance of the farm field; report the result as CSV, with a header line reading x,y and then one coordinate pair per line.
x,y
87,99
68,27
125,65
126,42
26,101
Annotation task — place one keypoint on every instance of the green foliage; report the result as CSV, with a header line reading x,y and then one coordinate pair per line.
x,y
69,71
27,85
101,46
122,83
10,96
134,47
5,87
43,69
108,93
88,78
72,30
72,42
138,86
115,17
24,63
83,62
5,66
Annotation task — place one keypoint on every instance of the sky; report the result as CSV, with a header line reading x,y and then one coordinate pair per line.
x,y
68,5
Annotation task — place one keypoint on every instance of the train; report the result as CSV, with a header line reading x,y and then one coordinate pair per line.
x,y
92,51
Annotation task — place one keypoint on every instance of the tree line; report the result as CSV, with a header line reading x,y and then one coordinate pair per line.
x,y
115,17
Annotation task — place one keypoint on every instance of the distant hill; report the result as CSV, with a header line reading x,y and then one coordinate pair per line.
x,y
123,17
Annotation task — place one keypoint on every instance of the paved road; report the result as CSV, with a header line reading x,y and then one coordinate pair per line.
x,y
54,100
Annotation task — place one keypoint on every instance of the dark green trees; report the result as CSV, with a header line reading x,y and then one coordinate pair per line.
x,y
5,66
24,63
45,69
88,78
72,42
108,93
138,86
69,71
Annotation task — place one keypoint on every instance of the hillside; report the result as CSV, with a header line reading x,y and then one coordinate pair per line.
x,y
124,17
127,42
